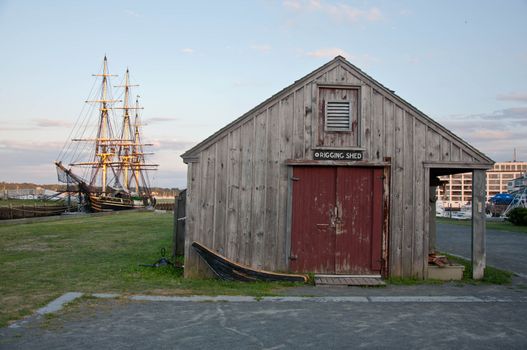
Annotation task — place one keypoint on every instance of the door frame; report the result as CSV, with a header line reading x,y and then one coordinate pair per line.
x,y
385,232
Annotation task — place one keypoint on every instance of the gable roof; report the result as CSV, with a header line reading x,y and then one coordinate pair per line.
x,y
339,60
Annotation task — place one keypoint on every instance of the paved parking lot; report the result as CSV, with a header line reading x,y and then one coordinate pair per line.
x,y
505,250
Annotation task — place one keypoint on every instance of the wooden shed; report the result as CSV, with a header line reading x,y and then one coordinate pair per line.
x,y
334,174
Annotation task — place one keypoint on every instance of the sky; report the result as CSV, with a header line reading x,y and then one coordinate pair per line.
x,y
202,64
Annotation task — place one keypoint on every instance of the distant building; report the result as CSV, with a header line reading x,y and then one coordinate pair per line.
x,y
517,184
500,179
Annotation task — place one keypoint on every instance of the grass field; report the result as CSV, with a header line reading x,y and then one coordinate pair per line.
x,y
41,261
491,225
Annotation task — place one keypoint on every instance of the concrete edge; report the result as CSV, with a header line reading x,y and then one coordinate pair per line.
x,y
59,303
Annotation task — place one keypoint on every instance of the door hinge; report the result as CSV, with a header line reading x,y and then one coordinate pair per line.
x,y
293,257
294,178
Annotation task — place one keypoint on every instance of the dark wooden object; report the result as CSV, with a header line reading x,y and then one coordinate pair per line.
x,y
179,224
231,271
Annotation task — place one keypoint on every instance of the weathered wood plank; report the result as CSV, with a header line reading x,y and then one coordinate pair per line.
x,y
272,179
191,258
220,195
465,157
479,255
377,127
396,232
206,222
408,196
234,178
455,152
365,121
256,258
420,252
445,149
298,125
433,145
389,128
248,144
286,152
309,126
350,77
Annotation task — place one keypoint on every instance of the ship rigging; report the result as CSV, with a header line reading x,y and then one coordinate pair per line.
x,y
108,167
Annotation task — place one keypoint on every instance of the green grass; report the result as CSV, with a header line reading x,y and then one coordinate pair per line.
x,y
41,261
491,275
491,225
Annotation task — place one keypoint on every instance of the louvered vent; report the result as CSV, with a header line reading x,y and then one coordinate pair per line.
x,y
338,115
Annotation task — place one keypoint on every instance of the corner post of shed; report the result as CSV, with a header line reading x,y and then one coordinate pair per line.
x,y
478,223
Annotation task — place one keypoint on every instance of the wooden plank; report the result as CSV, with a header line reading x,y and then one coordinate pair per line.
x,y
289,218
455,153
344,280
389,128
365,121
234,179
286,152
478,224
298,125
396,202
408,196
309,126
420,252
194,264
446,149
220,195
206,222
269,235
433,145
349,77
247,183
256,258
377,127
465,157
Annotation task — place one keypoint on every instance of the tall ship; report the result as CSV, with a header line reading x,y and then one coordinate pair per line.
x,y
104,159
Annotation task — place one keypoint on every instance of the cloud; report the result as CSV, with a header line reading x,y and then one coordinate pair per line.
x,y
262,48
173,145
495,133
32,146
513,96
361,60
159,120
51,123
328,53
187,50
338,12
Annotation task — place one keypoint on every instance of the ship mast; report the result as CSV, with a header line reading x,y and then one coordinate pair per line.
x,y
126,143
104,143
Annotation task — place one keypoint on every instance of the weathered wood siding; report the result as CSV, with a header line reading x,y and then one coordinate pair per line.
x,y
238,180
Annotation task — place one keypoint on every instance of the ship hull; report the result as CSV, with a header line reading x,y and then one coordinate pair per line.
x,y
105,203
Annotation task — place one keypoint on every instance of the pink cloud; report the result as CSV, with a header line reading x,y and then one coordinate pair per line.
x,y
52,123
338,12
513,96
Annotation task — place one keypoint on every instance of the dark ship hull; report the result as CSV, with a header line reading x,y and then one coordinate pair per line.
x,y
231,271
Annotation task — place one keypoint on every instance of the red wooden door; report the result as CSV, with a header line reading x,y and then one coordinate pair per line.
x,y
337,220
312,234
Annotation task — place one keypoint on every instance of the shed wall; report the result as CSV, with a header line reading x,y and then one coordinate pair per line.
x,y
238,186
